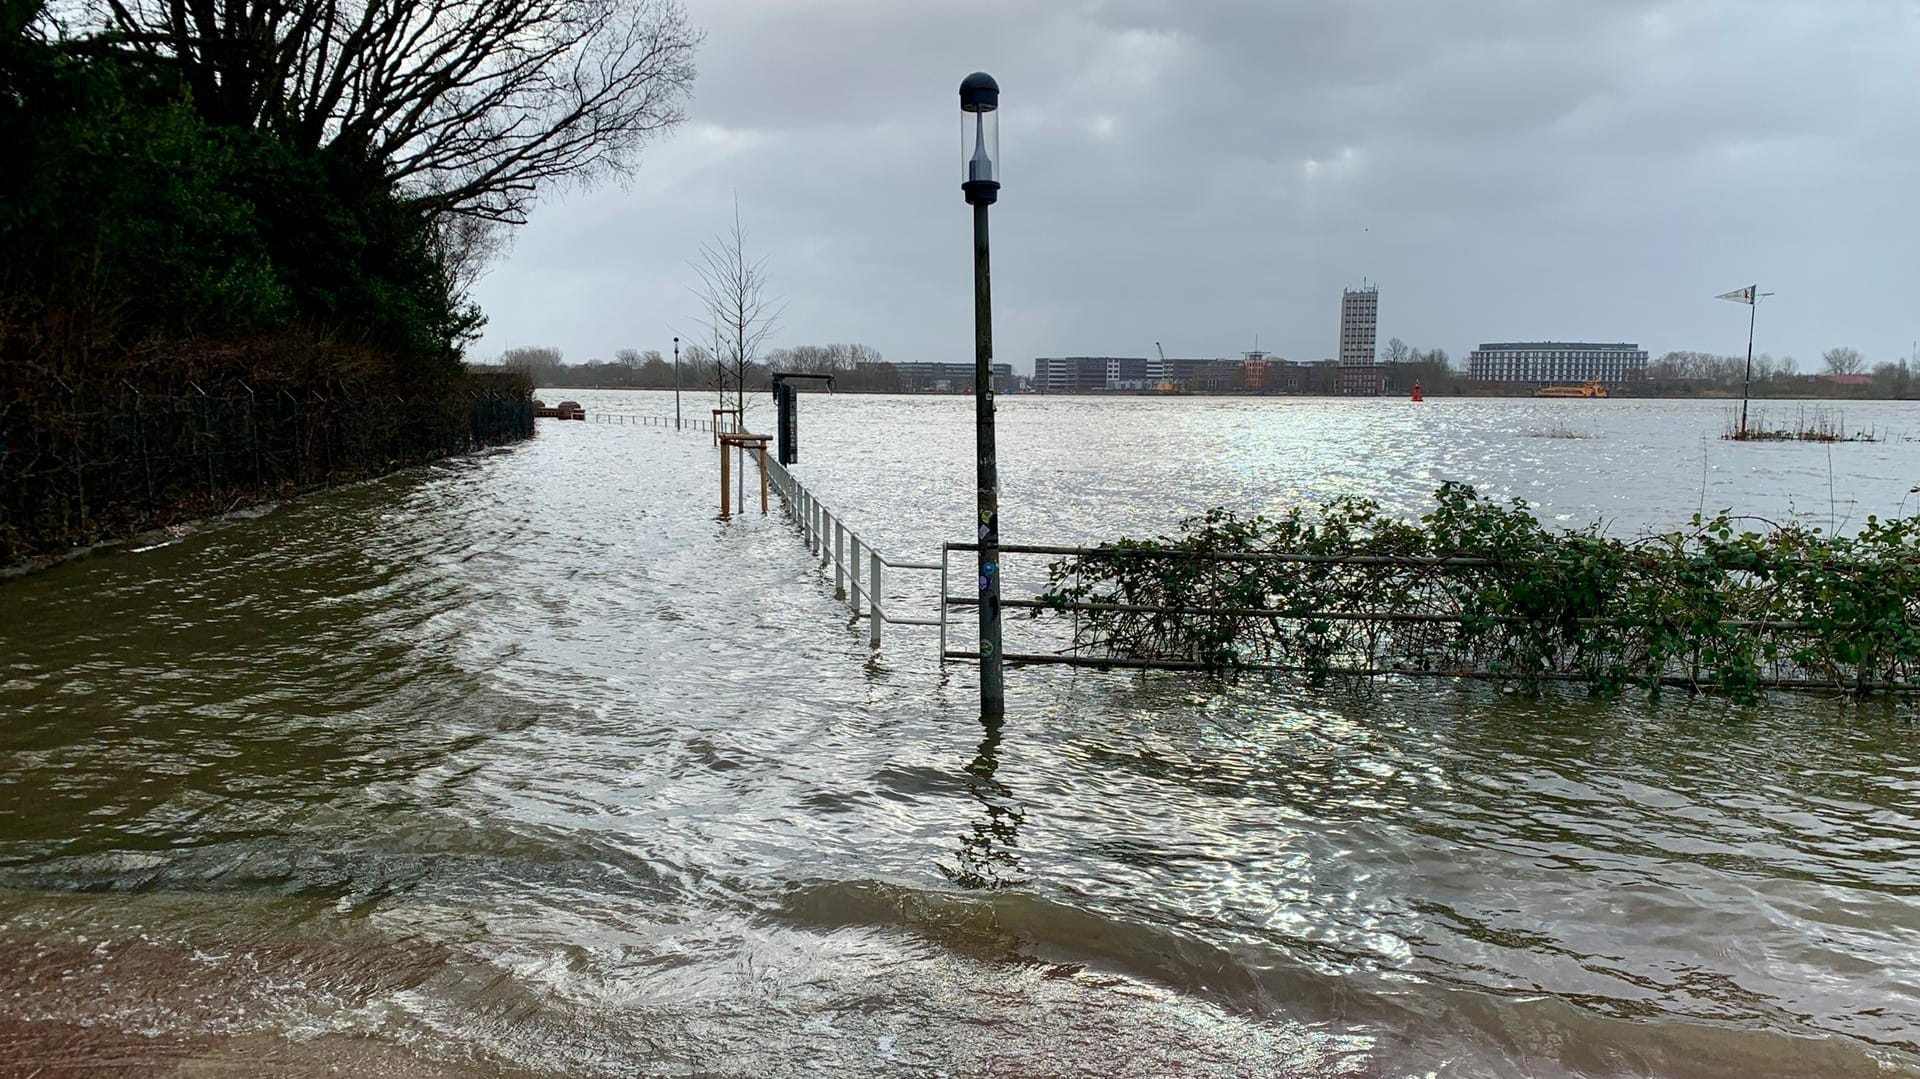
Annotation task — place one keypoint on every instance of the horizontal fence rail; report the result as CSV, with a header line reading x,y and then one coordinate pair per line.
x,y
1364,615
844,554
648,419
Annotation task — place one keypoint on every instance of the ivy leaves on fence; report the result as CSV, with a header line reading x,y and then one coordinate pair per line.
x,y
1477,588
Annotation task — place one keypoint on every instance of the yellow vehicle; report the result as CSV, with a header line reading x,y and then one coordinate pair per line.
x,y
1595,388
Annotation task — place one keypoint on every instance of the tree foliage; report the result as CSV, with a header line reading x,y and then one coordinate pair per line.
x,y
301,191
467,106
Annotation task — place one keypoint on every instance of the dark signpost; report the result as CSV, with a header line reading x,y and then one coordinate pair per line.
x,y
980,150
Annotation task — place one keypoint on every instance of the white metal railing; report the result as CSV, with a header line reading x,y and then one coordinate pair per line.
x,y
641,419
840,547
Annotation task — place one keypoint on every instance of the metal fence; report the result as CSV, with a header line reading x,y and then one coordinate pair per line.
x,y
1367,616
644,419
75,468
843,553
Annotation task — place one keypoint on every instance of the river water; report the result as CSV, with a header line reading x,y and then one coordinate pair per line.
x,y
526,765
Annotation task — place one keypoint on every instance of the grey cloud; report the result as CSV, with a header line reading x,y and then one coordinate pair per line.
x,y
1200,172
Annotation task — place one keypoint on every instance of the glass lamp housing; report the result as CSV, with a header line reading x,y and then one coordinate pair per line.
x,y
979,145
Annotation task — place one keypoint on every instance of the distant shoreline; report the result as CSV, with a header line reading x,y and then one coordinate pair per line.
x,y
1528,395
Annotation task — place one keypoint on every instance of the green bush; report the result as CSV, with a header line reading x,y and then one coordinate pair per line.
x,y
1476,588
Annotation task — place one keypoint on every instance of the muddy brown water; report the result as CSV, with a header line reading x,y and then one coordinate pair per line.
x,y
525,765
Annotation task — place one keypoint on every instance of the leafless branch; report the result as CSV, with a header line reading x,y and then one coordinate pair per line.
x,y
733,290
474,106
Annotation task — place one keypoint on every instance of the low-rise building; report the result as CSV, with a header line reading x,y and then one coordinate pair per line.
x,y
1070,374
1361,380
950,377
1547,363
1206,376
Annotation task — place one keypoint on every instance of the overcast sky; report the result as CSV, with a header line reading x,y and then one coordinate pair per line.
x,y
1199,173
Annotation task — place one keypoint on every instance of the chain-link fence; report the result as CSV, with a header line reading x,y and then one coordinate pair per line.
x,y
77,468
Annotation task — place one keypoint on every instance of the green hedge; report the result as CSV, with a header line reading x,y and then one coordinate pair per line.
x,y
1477,588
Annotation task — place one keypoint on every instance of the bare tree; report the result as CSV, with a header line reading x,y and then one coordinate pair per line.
x,y
1787,366
470,106
740,314
1395,352
700,368
1843,360
539,364
466,247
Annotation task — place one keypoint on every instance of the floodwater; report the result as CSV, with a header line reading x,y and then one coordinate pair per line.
x,y
526,765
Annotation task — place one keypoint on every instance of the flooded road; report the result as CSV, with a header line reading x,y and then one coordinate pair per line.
x,y
525,765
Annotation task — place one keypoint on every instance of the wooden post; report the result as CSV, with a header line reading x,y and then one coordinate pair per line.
x,y
726,485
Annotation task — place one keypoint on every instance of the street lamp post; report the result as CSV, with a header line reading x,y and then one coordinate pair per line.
x,y
980,149
676,383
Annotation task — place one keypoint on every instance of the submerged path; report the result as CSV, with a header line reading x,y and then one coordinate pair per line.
x,y
524,765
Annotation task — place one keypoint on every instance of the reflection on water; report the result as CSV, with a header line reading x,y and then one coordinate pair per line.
x,y
526,765
989,855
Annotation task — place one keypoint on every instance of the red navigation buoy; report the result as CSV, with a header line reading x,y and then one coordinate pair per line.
x,y
1416,392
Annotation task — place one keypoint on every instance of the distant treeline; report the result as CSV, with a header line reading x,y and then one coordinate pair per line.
x,y
860,369
855,369
1843,373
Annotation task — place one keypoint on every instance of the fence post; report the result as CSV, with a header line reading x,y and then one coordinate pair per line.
x,y
873,600
853,560
140,432
300,441
326,433
253,433
839,566
73,424
206,430
827,527
944,550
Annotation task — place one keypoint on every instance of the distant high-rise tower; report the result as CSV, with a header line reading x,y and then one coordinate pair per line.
x,y
1360,369
1359,314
